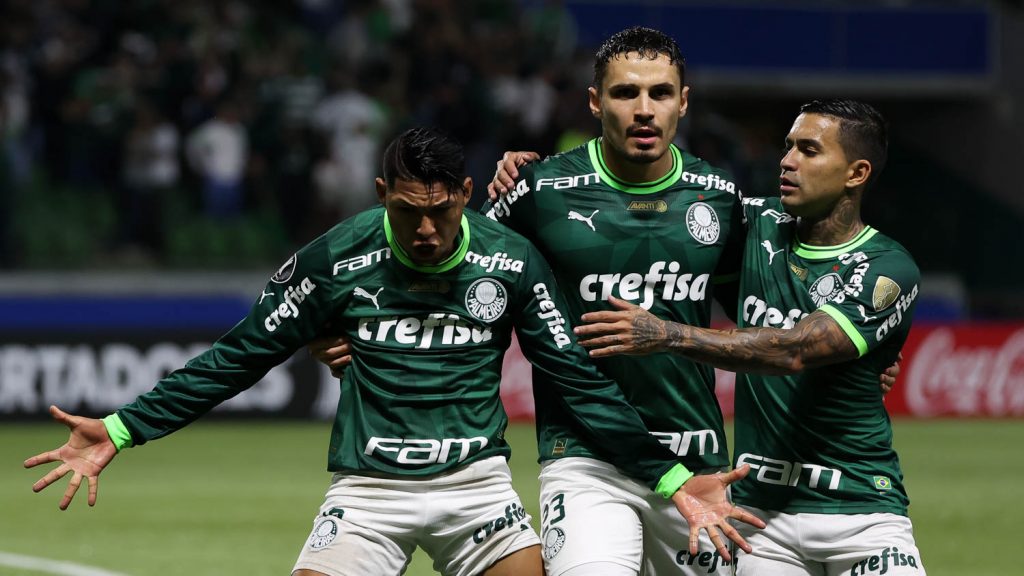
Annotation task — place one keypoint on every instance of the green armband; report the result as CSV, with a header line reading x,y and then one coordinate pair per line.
x,y
120,436
673,480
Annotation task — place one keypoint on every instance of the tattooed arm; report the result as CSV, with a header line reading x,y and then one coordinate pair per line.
x,y
817,340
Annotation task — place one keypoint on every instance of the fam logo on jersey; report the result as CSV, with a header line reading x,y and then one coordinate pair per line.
x,y
554,540
486,299
779,217
885,293
323,534
284,273
659,206
362,261
826,288
702,222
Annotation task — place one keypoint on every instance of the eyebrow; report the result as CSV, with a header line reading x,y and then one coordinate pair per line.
x,y
803,142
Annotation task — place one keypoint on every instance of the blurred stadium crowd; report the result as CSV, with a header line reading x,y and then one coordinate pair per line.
x,y
219,133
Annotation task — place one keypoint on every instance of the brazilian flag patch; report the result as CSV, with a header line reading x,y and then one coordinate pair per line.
x,y
883,483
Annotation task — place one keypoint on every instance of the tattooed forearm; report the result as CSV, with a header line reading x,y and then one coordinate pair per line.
x,y
648,332
816,341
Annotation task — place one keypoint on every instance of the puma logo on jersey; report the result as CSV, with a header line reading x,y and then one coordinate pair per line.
x,y
264,295
588,220
771,253
371,297
864,314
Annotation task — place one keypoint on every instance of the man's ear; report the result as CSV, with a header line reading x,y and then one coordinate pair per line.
x,y
382,189
595,102
467,185
858,173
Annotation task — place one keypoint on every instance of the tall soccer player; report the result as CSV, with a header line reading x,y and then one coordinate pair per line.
x,y
826,304
428,297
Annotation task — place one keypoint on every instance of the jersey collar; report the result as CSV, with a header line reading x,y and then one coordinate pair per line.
x,y
827,252
443,266
673,175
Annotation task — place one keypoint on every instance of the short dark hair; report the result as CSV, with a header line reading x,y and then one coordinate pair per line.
x,y
425,155
863,131
647,42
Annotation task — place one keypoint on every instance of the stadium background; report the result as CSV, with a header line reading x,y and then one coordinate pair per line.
x,y
159,159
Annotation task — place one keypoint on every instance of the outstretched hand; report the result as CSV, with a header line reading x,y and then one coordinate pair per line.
x,y
86,453
702,501
507,172
628,329
334,351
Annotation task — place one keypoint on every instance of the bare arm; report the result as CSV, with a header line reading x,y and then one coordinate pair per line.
x,y
817,340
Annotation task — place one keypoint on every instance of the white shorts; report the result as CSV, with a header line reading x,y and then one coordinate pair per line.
x,y
591,512
464,520
830,545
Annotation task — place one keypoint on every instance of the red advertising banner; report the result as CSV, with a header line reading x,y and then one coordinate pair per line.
x,y
961,370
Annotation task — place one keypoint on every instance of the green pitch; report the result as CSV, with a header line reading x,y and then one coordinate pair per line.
x,y
239,498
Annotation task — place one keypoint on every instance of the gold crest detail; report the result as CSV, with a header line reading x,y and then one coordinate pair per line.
x,y
885,293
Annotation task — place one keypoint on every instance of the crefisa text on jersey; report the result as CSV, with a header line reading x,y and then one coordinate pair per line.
x,y
293,296
550,314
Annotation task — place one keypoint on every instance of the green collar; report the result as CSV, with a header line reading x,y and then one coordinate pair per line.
x,y
443,266
827,252
673,175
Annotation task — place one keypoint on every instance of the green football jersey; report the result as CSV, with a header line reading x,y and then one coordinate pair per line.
x,y
421,394
661,245
821,440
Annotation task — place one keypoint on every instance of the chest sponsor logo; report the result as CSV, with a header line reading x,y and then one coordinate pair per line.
x,y
551,315
419,451
486,299
896,316
439,329
362,293
661,282
285,272
503,207
498,261
709,181
515,518
854,285
825,289
885,293
889,557
362,261
293,297
757,312
702,222
659,206
779,217
767,245
588,220
783,473
568,181
680,443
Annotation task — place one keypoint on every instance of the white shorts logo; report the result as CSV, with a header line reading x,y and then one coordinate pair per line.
x,y
486,299
702,222
553,542
324,533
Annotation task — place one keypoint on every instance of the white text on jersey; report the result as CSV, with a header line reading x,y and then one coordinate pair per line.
x,y
449,329
757,312
782,473
569,181
503,207
680,443
497,261
357,262
290,307
646,287
896,317
550,314
424,450
709,181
